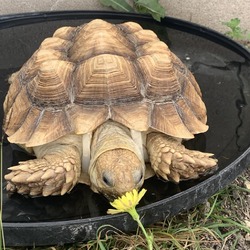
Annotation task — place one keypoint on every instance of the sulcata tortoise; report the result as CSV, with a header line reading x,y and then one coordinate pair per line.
x,y
95,103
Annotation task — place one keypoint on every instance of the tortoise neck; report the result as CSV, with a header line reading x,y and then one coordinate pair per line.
x,y
112,135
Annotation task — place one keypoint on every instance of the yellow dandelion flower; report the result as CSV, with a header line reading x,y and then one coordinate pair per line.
x,y
126,202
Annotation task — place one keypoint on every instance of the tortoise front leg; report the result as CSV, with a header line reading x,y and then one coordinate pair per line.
x,y
55,172
172,161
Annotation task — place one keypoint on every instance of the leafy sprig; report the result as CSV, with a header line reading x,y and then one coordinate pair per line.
x,y
235,30
152,7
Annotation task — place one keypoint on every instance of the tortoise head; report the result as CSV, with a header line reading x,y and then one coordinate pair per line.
x,y
116,172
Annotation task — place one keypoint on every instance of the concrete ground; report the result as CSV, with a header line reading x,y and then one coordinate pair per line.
x,y
210,13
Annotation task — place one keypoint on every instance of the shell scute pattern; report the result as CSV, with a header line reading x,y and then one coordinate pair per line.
x,y
83,76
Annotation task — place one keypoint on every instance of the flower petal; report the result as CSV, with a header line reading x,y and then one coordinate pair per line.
x,y
129,199
141,194
114,211
127,202
117,204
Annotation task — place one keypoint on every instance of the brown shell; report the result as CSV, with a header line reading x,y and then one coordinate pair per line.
x,y
83,76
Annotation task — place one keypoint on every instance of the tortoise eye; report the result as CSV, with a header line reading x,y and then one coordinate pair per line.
x,y
107,180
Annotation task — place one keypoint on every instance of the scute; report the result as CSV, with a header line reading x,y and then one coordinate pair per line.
x,y
83,76
55,43
106,79
99,37
52,86
157,71
66,33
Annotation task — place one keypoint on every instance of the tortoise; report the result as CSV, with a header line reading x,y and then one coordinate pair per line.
x,y
98,102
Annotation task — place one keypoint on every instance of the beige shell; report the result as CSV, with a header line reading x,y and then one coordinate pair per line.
x,y
83,76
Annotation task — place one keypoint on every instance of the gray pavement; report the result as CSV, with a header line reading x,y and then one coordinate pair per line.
x,y
210,13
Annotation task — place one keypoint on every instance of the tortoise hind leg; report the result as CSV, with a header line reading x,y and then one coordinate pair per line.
x,y
55,172
172,161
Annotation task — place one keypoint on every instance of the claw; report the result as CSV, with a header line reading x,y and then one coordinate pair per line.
x,y
36,191
23,190
70,176
60,183
210,162
66,188
72,161
50,173
59,177
178,155
181,166
194,175
208,154
167,158
188,159
25,168
67,166
164,168
49,182
174,176
49,190
35,177
10,187
185,175
59,170
14,168
33,185
162,175
9,176
21,178
200,162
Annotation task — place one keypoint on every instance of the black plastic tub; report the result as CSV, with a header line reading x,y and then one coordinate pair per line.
x,y
221,67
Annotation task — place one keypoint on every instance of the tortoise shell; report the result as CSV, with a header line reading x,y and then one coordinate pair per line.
x,y
83,76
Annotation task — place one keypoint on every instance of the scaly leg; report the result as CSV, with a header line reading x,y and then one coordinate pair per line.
x,y
172,161
55,172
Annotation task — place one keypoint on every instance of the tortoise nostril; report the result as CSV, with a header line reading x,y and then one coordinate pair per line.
x,y
107,180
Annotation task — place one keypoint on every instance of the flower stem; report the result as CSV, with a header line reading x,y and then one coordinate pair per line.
x,y
136,217
148,238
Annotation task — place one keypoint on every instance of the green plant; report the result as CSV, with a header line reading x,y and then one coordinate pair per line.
x,y
152,7
236,32
127,203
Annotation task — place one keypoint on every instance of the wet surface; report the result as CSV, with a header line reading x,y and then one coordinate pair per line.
x,y
224,78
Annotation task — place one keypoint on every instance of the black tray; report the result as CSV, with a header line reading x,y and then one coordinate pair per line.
x,y
221,67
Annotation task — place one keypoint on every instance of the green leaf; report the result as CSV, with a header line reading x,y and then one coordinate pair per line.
x,y
236,32
101,245
120,5
233,23
150,7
